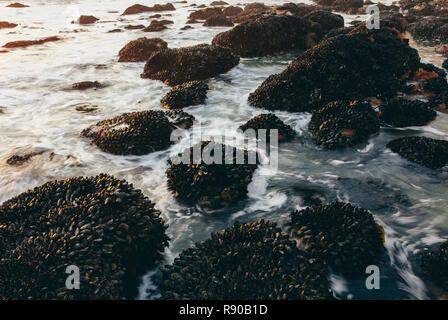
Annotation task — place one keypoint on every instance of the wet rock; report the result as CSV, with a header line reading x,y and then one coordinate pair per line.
x,y
435,85
206,13
323,22
16,5
218,21
86,108
138,8
343,124
19,159
430,28
87,19
424,151
232,11
134,27
347,6
373,63
200,62
445,64
214,185
87,85
345,237
405,113
6,24
439,102
425,8
114,31
100,224
26,43
270,121
157,26
218,3
184,95
246,261
141,49
136,133
443,50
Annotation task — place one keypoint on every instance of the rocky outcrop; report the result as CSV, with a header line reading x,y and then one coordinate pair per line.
x,y
87,19
6,24
27,43
206,13
200,62
185,95
138,8
232,11
269,122
218,21
141,49
101,225
405,113
347,6
424,151
157,25
430,28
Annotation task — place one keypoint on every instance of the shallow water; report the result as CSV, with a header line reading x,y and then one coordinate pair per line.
x,y
39,113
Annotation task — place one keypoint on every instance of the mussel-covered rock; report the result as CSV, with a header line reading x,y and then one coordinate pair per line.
x,y
101,225
252,261
176,66
427,152
141,49
404,113
135,133
343,124
430,28
346,67
270,121
211,184
187,94
345,237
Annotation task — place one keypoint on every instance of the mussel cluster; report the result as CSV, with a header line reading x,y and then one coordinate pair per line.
x,y
187,94
246,261
102,225
270,121
403,113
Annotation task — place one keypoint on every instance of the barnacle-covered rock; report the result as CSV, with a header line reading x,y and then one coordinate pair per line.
x,y
430,28
187,94
345,237
252,261
200,62
404,113
424,151
141,49
135,133
343,124
101,225
270,121
208,183
346,67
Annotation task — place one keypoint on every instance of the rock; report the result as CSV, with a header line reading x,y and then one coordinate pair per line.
x,y
87,19
26,43
214,185
16,5
206,13
136,133
100,224
246,261
114,31
439,102
420,8
232,11
184,95
323,22
373,63
138,8
345,237
86,85
218,21
443,50
435,85
218,3
134,27
445,64
141,49
19,159
270,121
401,112
6,24
200,62
343,124
157,26
424,151
347,6
430,28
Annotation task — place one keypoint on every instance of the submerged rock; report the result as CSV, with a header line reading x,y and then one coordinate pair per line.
x,y
100,224
138,8
86,85
19,159
270,121
424,151
252,261
157,25
200,62
6,24
136,133
346,67
26,43
343,124
345,237
404,113
141,49
213,185
184,95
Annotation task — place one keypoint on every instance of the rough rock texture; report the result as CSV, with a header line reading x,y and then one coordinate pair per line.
x,y
214,185
26,43
232,11
136,133
439,102
206,13
345,237
87,19
246,261
100,224
424,151
346,67
323,22
348,6
157,25
6,24
184,95
218,21
19,159
343,124
435,85
200,62
138,8
425,7
433,265
87,85
445,64
430,28
270,121
404,113
141,49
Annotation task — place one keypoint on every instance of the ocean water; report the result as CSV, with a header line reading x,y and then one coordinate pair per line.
x,y
38,113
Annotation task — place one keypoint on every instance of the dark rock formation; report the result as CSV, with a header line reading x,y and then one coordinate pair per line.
x,y
218,21
16,5
26,43
270,121
404,113
200,62
345,237
433,264
141,49
87,85
138,8
100,224
87,19
347,6
6,24
232,11
206,13
187,94
247,261
445,64
421,8
157,25
214,185
19,159
439,102
430,28
424,151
